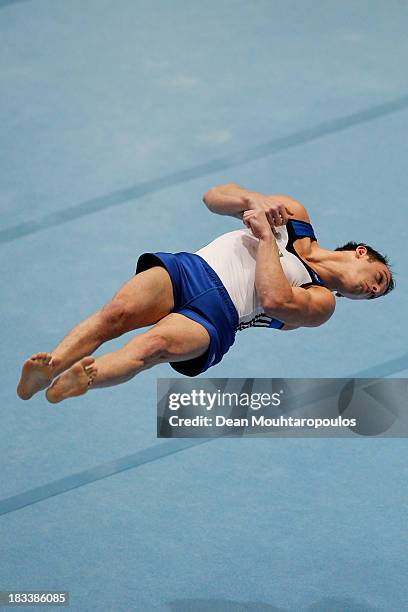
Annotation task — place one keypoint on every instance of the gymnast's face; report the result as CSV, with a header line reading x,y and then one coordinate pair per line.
x,y
367,279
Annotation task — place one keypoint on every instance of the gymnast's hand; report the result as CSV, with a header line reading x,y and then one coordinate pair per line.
x,y
277,213
257,222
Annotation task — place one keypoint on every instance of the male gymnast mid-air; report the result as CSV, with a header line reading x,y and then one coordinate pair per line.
x,y
272,274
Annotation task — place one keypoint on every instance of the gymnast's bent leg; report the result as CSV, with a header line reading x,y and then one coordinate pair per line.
x,y
174,338
143,300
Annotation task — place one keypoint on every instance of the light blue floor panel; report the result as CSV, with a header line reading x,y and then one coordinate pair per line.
x,y
116,118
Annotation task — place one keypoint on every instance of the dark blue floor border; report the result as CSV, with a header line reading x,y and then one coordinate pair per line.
x,y
153,453
121,196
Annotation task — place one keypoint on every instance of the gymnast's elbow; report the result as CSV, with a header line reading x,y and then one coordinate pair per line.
x,y
208,197
272,306
216,194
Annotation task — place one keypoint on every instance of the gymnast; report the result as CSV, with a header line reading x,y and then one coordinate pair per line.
x,y
272,273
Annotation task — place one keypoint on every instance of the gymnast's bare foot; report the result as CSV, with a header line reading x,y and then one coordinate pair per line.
x,y
37,373
73,382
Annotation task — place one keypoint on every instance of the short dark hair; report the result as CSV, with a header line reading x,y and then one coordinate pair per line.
x,y
373,255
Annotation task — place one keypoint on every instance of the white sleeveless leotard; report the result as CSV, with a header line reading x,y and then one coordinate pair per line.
x,y
233,257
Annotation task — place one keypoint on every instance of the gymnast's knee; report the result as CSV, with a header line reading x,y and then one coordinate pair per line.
x,y
114,317
155,348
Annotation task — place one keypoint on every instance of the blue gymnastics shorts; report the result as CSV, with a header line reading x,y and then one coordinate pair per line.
x,y
199,295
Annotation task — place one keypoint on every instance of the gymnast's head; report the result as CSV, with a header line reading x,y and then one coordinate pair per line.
x,y
366,274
